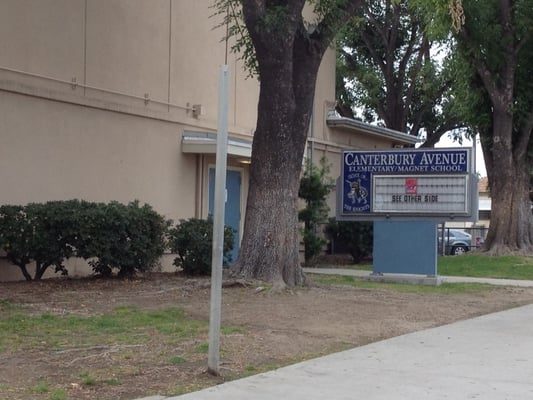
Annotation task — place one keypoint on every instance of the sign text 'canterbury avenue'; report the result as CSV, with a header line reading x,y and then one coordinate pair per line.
x,y
407,161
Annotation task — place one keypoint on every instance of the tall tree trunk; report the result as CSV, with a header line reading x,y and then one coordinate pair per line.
x,y
288,53
270,246
271,237
511,227
511,224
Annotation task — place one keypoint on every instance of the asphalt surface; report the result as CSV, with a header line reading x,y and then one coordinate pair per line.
x,y
487,358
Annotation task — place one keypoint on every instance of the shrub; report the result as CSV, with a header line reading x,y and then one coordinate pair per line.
x,y
192,241
127,238
314,189
112,236
54,234
39,233
16,237
352,237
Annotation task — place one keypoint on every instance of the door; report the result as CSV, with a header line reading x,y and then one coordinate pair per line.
x,y
232,214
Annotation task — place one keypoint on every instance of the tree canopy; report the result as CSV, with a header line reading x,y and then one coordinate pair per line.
x,y
493,57
388,68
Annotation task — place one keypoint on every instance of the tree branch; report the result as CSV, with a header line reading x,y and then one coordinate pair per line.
x,y
375,56
375,24
336,16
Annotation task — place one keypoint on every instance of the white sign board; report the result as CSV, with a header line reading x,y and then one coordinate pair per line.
x,y
420,194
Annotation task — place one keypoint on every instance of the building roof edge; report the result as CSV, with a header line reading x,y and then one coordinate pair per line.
x,y
349,123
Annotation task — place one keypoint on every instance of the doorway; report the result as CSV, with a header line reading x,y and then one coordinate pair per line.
x,y
232,214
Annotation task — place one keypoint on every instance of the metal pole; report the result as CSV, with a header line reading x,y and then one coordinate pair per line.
x,y
473,167
218,223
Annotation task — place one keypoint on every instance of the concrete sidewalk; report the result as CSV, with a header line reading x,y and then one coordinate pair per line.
x,y
489,358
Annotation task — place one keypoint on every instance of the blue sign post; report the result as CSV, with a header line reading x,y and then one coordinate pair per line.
x,y
405,247
406,193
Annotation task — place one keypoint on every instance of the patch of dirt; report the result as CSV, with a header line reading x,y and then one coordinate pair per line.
x,y
266,329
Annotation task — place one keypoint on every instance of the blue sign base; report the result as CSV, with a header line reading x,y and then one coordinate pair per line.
x,y
405,247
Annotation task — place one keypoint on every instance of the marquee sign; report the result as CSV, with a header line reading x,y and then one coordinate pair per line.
x,y
407,184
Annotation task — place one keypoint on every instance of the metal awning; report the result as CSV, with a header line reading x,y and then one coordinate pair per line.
x,y
206,143
363,127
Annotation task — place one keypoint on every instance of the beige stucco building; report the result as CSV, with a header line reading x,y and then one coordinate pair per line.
x,y
117,100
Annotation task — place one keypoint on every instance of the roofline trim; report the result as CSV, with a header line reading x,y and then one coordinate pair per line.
x,y
349,123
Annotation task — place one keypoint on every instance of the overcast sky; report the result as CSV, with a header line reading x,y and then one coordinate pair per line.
x,y
445,141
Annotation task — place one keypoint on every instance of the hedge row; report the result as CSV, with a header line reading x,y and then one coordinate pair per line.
x,y
112,237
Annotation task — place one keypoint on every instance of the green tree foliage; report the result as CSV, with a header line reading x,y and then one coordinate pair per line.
x,y
315,187
192,241
276,17
386,66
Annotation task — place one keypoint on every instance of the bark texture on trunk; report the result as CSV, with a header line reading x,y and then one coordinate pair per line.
x,y
270,245
270,250
288,56
510,230
511,227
